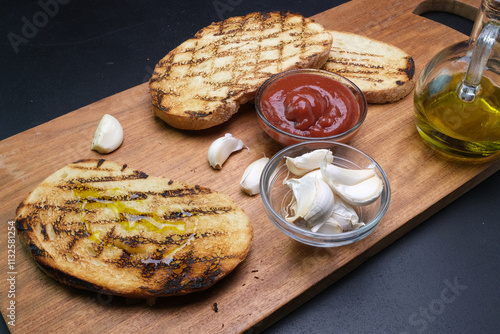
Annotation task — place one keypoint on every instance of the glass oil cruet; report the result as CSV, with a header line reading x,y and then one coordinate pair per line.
x,y
457,96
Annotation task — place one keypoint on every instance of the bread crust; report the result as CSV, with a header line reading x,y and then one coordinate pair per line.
x,y
101,226
382,71
202,82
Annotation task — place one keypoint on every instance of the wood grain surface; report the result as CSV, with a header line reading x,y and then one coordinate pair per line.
x,y
279,274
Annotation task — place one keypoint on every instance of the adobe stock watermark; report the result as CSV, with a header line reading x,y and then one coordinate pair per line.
x,y
425,316
10,312
225,6
30,27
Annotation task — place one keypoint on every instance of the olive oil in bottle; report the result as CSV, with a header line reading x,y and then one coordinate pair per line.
x,y
468,130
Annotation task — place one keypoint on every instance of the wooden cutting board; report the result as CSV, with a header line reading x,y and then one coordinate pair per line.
x,y
279,273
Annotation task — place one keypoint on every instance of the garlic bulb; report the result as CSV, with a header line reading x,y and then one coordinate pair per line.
x,y
250,181
312,200
108,136
221,149
309,161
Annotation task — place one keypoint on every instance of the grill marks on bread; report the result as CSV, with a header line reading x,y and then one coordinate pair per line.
x,y
203,81
383,72
364,67
130,234
356,64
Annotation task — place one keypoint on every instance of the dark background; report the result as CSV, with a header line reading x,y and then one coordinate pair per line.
x,y
88,50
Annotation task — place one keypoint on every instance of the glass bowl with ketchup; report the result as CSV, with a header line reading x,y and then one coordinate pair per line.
x,y
310,105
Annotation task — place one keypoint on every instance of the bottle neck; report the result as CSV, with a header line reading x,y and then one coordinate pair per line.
x,y
489,10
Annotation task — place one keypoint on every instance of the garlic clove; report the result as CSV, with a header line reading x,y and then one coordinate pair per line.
x,y
221,149
346,176
363,193
356,187
303,196
315,174
108,135
309,161
250,181
330,226
345,215
357,225
313,198
344,218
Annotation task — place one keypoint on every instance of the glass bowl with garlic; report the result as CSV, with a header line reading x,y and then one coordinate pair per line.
x,y
324,193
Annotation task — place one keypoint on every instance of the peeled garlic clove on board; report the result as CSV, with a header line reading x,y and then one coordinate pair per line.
x,y
250,181
313,200
221,149
108,135
363,193
309,161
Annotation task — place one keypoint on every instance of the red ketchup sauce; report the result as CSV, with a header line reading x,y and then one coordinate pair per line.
x,y
310,105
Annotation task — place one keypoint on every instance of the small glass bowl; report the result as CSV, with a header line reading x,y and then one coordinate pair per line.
x,y
285,138
276,195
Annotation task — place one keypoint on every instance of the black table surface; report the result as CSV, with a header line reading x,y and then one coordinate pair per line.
x,y
442,277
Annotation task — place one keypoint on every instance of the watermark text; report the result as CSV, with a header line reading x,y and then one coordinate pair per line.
x,y
10,313
425,316
31,26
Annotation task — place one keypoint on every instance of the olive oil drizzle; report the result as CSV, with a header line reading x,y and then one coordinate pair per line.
x,y
130,219
90,198
168,258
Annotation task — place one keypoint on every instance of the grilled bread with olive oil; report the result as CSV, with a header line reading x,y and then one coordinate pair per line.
x,y
202,82
383,72
101,226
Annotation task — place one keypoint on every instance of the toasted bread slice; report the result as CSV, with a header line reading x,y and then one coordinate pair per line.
x,y
383,72
102,226
203,81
